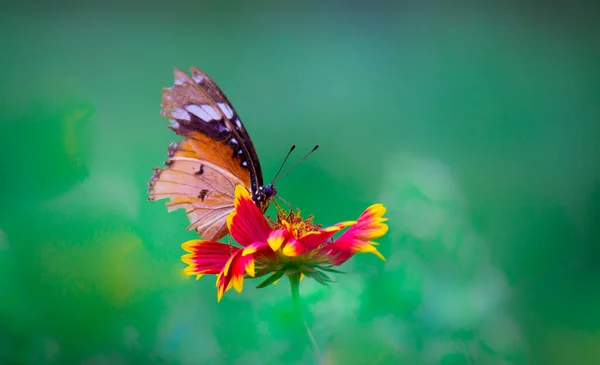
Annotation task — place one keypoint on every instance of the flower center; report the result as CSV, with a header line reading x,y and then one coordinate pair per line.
x,y
298,225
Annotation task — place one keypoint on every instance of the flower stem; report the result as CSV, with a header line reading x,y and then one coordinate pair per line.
x,y
295,284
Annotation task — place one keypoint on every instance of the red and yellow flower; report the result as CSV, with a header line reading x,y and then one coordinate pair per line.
x,y
288,246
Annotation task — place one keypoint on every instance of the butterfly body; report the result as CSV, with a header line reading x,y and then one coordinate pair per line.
x,y
216,154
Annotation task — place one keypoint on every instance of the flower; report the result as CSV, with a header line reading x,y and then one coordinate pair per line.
x,y
289,246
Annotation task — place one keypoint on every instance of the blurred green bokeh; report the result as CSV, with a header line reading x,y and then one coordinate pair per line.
x,y
477,126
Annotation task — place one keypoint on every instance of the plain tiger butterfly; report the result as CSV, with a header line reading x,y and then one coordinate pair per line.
x,y
216,154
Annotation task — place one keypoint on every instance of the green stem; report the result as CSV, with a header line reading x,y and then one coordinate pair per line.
x,y
295,284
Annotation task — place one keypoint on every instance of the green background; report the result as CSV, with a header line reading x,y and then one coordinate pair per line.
x,y
477,126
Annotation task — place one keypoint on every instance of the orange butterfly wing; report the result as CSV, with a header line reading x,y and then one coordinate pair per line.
x,y
217,154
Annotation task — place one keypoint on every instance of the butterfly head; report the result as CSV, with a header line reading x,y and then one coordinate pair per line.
x,y
264,195
269,191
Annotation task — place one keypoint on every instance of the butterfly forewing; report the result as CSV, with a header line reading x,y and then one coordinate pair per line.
x,y
234,124
197,103
216,154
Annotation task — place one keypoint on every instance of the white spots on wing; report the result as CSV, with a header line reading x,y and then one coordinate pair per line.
x,y
238,123
198,78
210,110
222,128
205,112
199,112
226,110
244,163
174,123
178,81
240,151
233,140
179,113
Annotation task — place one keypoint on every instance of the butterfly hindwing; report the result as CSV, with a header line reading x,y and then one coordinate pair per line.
x,y
203,190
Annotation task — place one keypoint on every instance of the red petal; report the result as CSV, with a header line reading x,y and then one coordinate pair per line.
x,y
339,256
344,249
369,225
233,273
254,247
205,257
314,239
247,224
293,248
277,238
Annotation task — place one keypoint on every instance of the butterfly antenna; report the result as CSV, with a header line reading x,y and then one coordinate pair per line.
x,y
283,163
277,177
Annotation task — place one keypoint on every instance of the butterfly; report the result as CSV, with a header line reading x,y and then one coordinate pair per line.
x,y
216,154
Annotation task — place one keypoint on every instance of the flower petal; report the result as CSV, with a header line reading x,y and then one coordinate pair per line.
x,y
260,250
233,273
242,265
249,267
340,252
205,257
314,239
341,225
246,223
276,238
253,247
293,248
369,226
223,285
